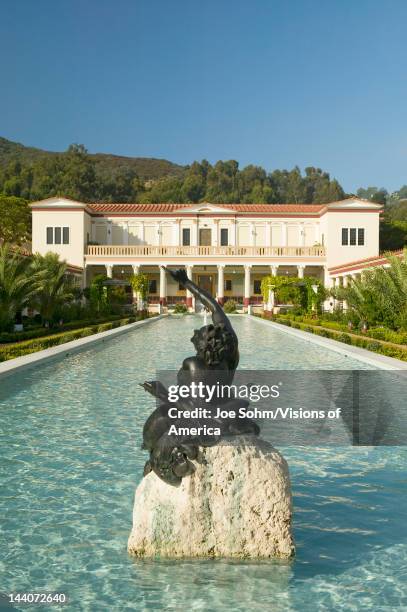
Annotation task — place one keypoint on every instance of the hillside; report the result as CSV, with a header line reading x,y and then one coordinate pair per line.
x,y
105,164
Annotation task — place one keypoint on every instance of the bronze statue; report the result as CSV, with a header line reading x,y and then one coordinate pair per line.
x,y
216,360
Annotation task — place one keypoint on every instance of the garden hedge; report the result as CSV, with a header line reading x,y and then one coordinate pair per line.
x,y
377,346
18,349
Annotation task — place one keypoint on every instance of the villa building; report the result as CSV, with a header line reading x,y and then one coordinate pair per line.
x,y
226,248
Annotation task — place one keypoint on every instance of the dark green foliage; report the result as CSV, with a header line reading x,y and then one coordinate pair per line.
x,y
15,220
367,343
35,174
10,351
230,306
393,235
379,296
180,308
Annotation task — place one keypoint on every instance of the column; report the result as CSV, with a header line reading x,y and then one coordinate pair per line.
x,y
84,278
109,232
246,298
268,234
221,284
189,294
300,271
216,237
274,270
125,233
328,303
302,234
163,287
176,239
195,235
252,230
109,271
344,285
284,234
136,296
327,278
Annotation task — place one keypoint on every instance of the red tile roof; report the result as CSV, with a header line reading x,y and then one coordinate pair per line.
x,y
378,260
170,208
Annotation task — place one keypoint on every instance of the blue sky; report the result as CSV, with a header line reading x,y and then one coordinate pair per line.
x,y
271,82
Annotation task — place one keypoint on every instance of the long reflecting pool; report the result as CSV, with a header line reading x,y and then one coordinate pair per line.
x,y
71,458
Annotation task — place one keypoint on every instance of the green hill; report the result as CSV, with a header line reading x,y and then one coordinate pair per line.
x,y
105,164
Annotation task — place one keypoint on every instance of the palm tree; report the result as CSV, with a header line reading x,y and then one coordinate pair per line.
x,y
380,295
54,287
17,285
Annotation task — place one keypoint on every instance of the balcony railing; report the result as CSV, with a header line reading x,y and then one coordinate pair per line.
x,y
208,251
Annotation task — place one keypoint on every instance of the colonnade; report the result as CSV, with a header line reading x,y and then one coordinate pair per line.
x,y
220,295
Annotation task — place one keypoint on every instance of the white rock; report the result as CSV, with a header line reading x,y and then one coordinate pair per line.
x,y
237,504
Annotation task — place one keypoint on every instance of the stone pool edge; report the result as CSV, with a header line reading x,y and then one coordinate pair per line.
x,y
63,350
379,361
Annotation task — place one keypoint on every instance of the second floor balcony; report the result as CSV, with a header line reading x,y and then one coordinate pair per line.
x,y
239,252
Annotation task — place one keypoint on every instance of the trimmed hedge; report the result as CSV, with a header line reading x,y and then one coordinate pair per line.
x,y
378,333
30,334
10,351
366,343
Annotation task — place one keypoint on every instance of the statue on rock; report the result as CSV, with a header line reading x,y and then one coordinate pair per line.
x,y
215,362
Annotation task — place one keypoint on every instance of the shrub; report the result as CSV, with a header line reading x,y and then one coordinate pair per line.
x,y
12,350
374,346
180,308
230,306
344,338
322,332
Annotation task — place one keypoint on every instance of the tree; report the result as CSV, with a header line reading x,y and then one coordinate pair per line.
x,y
17,285
15,215
393,235
79,178
54,286
380,294
193,188
374,194
98,294
164,190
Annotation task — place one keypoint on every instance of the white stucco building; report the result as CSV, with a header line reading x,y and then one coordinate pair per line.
x,y
226,248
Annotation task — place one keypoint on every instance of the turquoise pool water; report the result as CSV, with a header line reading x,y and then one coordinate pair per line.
x,y
71,459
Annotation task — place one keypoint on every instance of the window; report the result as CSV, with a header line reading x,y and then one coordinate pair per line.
x,y
352,236
345,239
228,284
186,236
224,236
152,286
58,235
257,287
